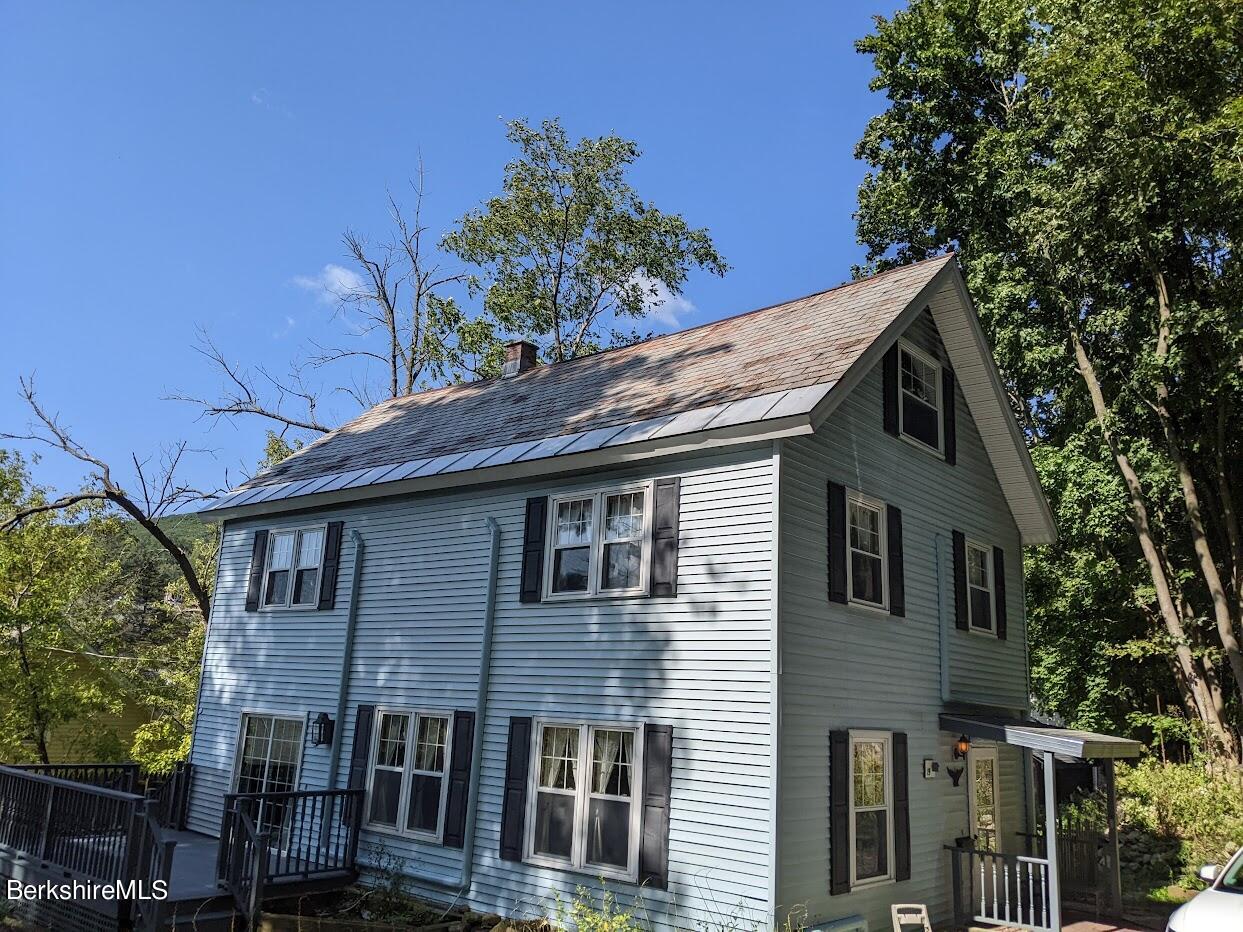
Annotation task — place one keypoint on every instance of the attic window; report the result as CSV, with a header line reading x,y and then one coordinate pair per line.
x,y
919,407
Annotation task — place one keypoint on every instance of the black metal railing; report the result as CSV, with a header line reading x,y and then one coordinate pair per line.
x,y
124,778
245,875
998,889
310,833
85,830
153,863
168,797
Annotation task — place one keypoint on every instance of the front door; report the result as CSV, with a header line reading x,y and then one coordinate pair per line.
x,y
984,799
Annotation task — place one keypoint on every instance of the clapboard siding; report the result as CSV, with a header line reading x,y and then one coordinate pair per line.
x,y
699,662
846,667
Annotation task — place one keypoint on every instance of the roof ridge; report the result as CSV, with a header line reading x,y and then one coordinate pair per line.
x,y
547,367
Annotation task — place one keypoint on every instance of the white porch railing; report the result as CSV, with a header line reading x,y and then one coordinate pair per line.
x,y
1000,889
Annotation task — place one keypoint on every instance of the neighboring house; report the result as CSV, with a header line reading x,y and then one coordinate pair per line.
x,y
684,615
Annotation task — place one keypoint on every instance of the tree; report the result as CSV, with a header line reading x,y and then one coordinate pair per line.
x,y
159,492
1083,158
569,245
397,316
567,249
60,631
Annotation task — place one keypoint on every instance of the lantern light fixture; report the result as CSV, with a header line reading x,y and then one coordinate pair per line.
x,y
321,730
961,747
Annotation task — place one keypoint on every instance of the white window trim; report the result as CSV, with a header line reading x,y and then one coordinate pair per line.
x,y
583,794
407,771
991,630
859,737
299,717
927,358
288,604
857,497
595,561
977,753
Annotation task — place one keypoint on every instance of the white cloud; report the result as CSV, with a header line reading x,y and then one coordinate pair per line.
x,y
290,323
332,284
662,305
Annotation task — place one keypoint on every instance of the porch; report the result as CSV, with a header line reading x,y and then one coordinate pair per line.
x,y
86,824
1029,890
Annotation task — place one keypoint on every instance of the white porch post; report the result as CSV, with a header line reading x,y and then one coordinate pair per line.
x,y
1050,842
1111,812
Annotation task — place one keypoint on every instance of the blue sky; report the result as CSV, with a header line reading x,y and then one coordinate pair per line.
x,y
170,166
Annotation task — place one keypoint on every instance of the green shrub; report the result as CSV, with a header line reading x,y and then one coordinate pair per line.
x,y
584,915
1175,817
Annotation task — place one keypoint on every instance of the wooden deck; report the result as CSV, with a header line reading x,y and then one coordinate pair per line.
x,y
193,876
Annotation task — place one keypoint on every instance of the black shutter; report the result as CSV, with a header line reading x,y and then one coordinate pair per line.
x,y
949,432
258,557
533,549
657,778
837,542
459,778
839,812
999,590
514,802
889,390
901,809
897,580
359,754
960,581
332,561
665,537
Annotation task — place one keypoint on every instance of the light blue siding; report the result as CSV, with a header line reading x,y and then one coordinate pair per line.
x,y
847,667
700,662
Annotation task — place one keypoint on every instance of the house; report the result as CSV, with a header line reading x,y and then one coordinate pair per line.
x,y
731,618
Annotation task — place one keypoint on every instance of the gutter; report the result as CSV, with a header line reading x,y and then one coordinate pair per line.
x,y
347,656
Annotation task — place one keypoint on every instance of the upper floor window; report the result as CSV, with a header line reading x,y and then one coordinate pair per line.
x,y
293,567
871,807
919,408
980,586
408,765
583,810
599,543
865,519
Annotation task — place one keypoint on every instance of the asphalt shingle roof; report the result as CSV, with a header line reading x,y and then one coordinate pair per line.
x,y
807,341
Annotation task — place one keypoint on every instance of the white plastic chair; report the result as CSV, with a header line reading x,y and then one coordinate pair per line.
x,y
908,916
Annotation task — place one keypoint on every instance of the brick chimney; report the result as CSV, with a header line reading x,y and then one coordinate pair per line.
x,y
519,357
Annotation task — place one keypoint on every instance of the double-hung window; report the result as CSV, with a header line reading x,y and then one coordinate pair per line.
x,y
585,785
599,543
865,525
980,588
408,780
871,807
919,400
293,567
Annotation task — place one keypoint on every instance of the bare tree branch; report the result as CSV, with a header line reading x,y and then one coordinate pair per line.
x,y
241,394
158,494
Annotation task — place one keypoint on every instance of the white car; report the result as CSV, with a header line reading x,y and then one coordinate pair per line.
x,y
1220,907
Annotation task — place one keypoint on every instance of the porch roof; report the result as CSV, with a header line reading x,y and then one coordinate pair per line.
x,y
1027,733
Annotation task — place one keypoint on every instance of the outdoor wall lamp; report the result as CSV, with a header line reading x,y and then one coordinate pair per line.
x,y
962,747
321,729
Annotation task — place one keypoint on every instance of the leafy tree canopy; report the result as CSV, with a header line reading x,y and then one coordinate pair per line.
x,y
569,245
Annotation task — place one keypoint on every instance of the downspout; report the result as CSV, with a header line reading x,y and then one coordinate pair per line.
x,y
462,884
943,635
347,657
481,704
